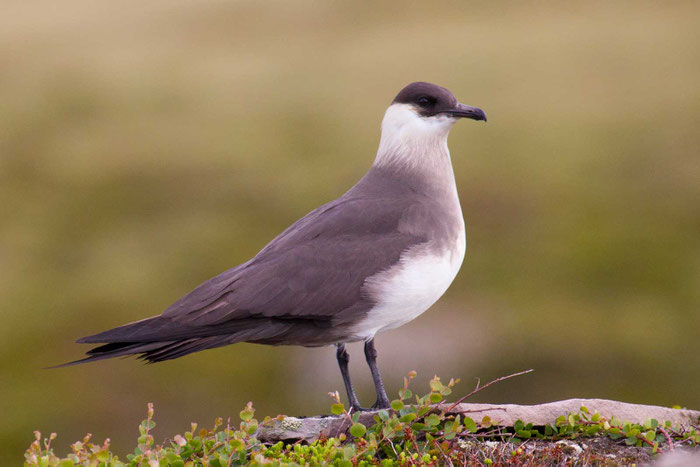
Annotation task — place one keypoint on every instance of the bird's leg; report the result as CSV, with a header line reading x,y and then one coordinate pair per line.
x,y
371,356
341,354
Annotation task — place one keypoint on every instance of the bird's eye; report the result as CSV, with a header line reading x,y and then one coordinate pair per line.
x,y
426,101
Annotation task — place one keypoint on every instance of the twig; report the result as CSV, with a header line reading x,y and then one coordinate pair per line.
x,y
348,416
497,432
668,438
393,448
448,461
478,410
479,388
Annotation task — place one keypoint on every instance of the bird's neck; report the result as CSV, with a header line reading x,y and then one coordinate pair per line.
x,y
426,172
429,156
426,164
415,146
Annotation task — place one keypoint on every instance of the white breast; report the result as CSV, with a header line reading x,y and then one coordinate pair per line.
x,y
410,287
414,144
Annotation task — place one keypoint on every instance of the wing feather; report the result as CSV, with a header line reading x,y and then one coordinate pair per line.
x,y
314,271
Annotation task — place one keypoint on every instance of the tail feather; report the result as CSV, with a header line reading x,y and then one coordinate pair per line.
x,y
151,329
152,352
113,350
159,329
167,347
188,346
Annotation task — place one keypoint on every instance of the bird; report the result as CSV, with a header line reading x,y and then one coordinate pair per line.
x,y
370,261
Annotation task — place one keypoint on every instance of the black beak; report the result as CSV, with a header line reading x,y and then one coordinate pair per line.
x,y
466,111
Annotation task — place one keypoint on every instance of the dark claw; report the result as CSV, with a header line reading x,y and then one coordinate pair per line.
x,y
362,409
383,404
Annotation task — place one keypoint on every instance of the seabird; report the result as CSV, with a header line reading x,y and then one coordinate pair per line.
x,y
370,261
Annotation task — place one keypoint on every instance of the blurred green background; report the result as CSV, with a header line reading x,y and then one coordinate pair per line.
x,y
148,146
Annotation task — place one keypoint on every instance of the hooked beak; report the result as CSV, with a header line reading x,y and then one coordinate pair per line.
x,y
466,111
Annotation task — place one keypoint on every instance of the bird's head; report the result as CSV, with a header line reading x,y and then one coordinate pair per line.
x,y
420,118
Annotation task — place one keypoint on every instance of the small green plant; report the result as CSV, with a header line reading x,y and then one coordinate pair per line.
x,y
417,430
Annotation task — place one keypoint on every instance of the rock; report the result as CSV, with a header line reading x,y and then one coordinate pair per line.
x,y
569,447
542,414
678,458
310,429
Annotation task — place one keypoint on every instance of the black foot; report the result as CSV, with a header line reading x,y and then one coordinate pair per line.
x,y
371,409
381,404
362,409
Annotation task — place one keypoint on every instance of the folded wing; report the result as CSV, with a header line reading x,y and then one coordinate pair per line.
x,y
302,288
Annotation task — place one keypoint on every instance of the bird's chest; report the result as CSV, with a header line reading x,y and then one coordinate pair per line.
x,y
411,286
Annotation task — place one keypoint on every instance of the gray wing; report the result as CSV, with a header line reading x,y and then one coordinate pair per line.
x,y
313,270
307,279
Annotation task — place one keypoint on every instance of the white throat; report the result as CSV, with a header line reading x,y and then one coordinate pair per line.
x,y
414,142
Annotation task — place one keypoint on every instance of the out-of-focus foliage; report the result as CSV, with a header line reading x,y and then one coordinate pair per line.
x,y
145,147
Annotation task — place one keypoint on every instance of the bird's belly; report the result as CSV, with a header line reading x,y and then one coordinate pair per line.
x,y
410,287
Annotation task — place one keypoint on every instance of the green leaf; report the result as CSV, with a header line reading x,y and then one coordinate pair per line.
x,y
432,420
436,385
337,409
408,418
358,430
435,397
397,405
383,414
148,424
470,425
418,426
236,444
247,413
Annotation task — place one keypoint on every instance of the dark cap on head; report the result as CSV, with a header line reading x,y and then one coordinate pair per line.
x,y
431,99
